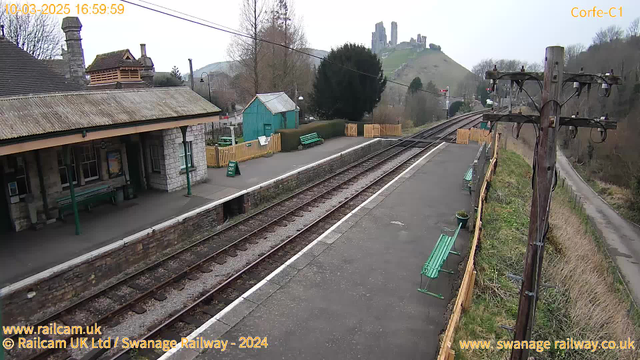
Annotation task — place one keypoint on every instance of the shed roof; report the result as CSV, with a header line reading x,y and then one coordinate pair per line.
x,y
277,102
21,73
24,116
113,60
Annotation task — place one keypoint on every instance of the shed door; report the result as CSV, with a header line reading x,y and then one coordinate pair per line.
x,y
267,131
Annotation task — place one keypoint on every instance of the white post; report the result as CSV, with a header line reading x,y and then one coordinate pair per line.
x,y
233,136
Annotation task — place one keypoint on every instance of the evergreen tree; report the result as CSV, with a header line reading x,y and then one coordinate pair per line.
x,y
416,84
341,92
175,72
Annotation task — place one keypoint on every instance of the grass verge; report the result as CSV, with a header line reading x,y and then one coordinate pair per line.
x,y
585,302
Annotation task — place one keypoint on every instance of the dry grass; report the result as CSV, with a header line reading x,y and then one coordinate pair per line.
x,y
597,309
588,301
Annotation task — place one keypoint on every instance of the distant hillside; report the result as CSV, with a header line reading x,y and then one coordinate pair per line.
x,y
404,65
227,66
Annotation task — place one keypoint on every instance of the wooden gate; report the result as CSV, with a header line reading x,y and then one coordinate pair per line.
x,y
351,129
371,130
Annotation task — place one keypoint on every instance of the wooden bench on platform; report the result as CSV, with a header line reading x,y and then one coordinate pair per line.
x,y
87,198
310,139
467,179
433,266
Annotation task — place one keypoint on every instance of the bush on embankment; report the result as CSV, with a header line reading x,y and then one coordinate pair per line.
x,y
587,300
325,129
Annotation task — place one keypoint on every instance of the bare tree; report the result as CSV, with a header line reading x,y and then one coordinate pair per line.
x,y
245,52
482,67
38,34
571,53
634,28
610,34
287,68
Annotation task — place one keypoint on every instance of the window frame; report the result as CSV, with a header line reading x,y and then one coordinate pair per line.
x,y
181,155
60,158
93,159
155,155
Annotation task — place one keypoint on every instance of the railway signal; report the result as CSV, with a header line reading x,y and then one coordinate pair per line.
x,y
547,123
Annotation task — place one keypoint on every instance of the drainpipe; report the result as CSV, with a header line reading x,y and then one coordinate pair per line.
x,y
43,189
186,159
67,162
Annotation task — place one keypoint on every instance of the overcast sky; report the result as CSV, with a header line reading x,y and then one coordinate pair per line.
x,y
468,30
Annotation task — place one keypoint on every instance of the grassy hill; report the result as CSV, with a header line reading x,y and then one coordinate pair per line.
x,y
404,65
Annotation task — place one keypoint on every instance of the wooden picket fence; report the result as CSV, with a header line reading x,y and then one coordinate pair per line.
x,y
463,136
465,293
377,130
351,130
220,156
479,135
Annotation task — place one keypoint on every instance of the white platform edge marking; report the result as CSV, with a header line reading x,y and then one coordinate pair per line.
x,y
133,238
257,286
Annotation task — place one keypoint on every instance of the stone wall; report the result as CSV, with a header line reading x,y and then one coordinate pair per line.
x,y
303,178
94,272
172,142
100,268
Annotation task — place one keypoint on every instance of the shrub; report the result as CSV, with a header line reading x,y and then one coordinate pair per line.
x,y
325,129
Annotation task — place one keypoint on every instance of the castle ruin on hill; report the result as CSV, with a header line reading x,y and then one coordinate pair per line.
x,y
379,39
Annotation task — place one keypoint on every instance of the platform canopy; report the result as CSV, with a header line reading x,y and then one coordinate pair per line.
x,y
39,121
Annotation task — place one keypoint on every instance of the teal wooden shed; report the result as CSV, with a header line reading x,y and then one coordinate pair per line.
x,y
267,113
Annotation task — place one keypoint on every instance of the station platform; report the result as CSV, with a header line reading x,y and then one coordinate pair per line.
x,y
29,252
352,293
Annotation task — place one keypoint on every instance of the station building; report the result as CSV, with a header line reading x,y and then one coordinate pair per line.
x,y
56,135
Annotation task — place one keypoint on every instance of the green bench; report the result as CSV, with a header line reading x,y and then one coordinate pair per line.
x,y
225,141
433,266
466,180
86,198
310,139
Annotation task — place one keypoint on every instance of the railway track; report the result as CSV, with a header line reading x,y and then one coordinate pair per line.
x,y
176,271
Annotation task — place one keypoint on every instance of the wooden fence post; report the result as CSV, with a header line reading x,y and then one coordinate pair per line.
x,y
469,297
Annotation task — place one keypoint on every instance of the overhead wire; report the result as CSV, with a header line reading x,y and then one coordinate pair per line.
x,y
231,31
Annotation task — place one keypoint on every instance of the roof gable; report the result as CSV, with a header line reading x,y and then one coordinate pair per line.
x,y
21,73
114,60
276,103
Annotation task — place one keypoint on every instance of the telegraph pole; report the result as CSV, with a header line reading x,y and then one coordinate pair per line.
x,y
545,166
544,177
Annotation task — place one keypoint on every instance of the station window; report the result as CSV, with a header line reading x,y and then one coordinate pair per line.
x,y
189,155
89,162
156,157
62,169
20,185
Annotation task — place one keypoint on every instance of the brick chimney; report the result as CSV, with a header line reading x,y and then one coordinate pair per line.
x,y
74,56
148,71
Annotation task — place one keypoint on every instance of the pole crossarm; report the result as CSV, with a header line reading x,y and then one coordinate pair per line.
x,y
564,120
583,78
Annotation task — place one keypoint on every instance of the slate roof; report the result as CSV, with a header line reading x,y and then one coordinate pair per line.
x,y
113,60
24,116
277,102
21,73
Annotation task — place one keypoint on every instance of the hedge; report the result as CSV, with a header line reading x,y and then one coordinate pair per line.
x,y
325,129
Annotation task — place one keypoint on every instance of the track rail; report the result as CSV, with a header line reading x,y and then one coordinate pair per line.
x,y
246,278
309,194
